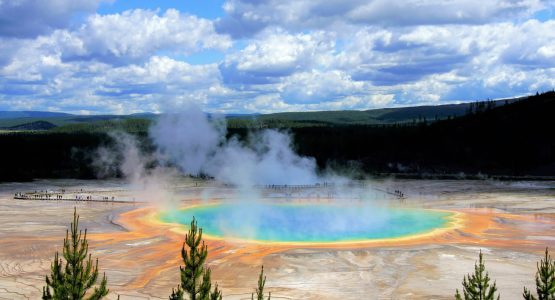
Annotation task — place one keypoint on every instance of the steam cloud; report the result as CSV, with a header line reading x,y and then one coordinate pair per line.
x,y
125,157
192,143
198,146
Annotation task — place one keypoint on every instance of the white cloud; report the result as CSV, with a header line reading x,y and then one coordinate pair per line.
x,y
419,12
304,55
159,75
319,87
129,37
278,54
428,63
30,18
101,87
137,34
246,17
269,103
531,44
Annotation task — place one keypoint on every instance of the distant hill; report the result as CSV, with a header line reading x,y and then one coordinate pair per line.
x,y
37,125
31,114
71,120
384,116
366,117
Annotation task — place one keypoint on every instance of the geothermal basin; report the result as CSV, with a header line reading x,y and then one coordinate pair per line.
x,y
313,247
310,223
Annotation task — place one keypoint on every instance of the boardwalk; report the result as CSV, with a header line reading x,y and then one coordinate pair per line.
x,y
75,196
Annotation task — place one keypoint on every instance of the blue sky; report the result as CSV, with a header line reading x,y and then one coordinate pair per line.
x,y
245,56
210,9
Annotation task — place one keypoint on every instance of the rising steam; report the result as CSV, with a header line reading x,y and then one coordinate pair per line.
x,y
125,158
198,146
192,143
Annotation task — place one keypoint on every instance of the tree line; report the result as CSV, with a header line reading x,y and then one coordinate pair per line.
x,y
75,275
513,139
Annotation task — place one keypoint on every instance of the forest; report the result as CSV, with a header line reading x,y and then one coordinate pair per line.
x,y
511,138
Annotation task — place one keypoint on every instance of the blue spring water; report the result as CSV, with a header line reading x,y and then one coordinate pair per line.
x,y
308,223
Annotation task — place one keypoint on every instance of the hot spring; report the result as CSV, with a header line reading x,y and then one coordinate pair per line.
x,y
309,223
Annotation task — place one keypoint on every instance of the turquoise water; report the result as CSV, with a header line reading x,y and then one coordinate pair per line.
x,y
308,223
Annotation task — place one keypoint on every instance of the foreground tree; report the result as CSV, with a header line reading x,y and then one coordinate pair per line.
x,y
195,278
260,288
545,280
74,278
477,286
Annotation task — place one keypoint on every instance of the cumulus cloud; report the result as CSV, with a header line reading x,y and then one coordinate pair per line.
x,y
130,37
291,55
277,55
423,63
137,34
425,12
104,88
30,18
418,64
529,47
111,63
246,17
316,87
392,57
164,73
273,102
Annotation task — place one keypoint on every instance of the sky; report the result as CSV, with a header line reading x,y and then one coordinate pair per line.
x,y
263,56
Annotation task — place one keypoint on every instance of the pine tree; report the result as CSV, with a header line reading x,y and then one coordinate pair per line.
x,y
477,286
260,288
74,279
545,280
195,278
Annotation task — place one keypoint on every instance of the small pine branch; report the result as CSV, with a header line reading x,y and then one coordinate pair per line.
x,y
527,295
458,295
205,286
177,294
100,291
216,294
